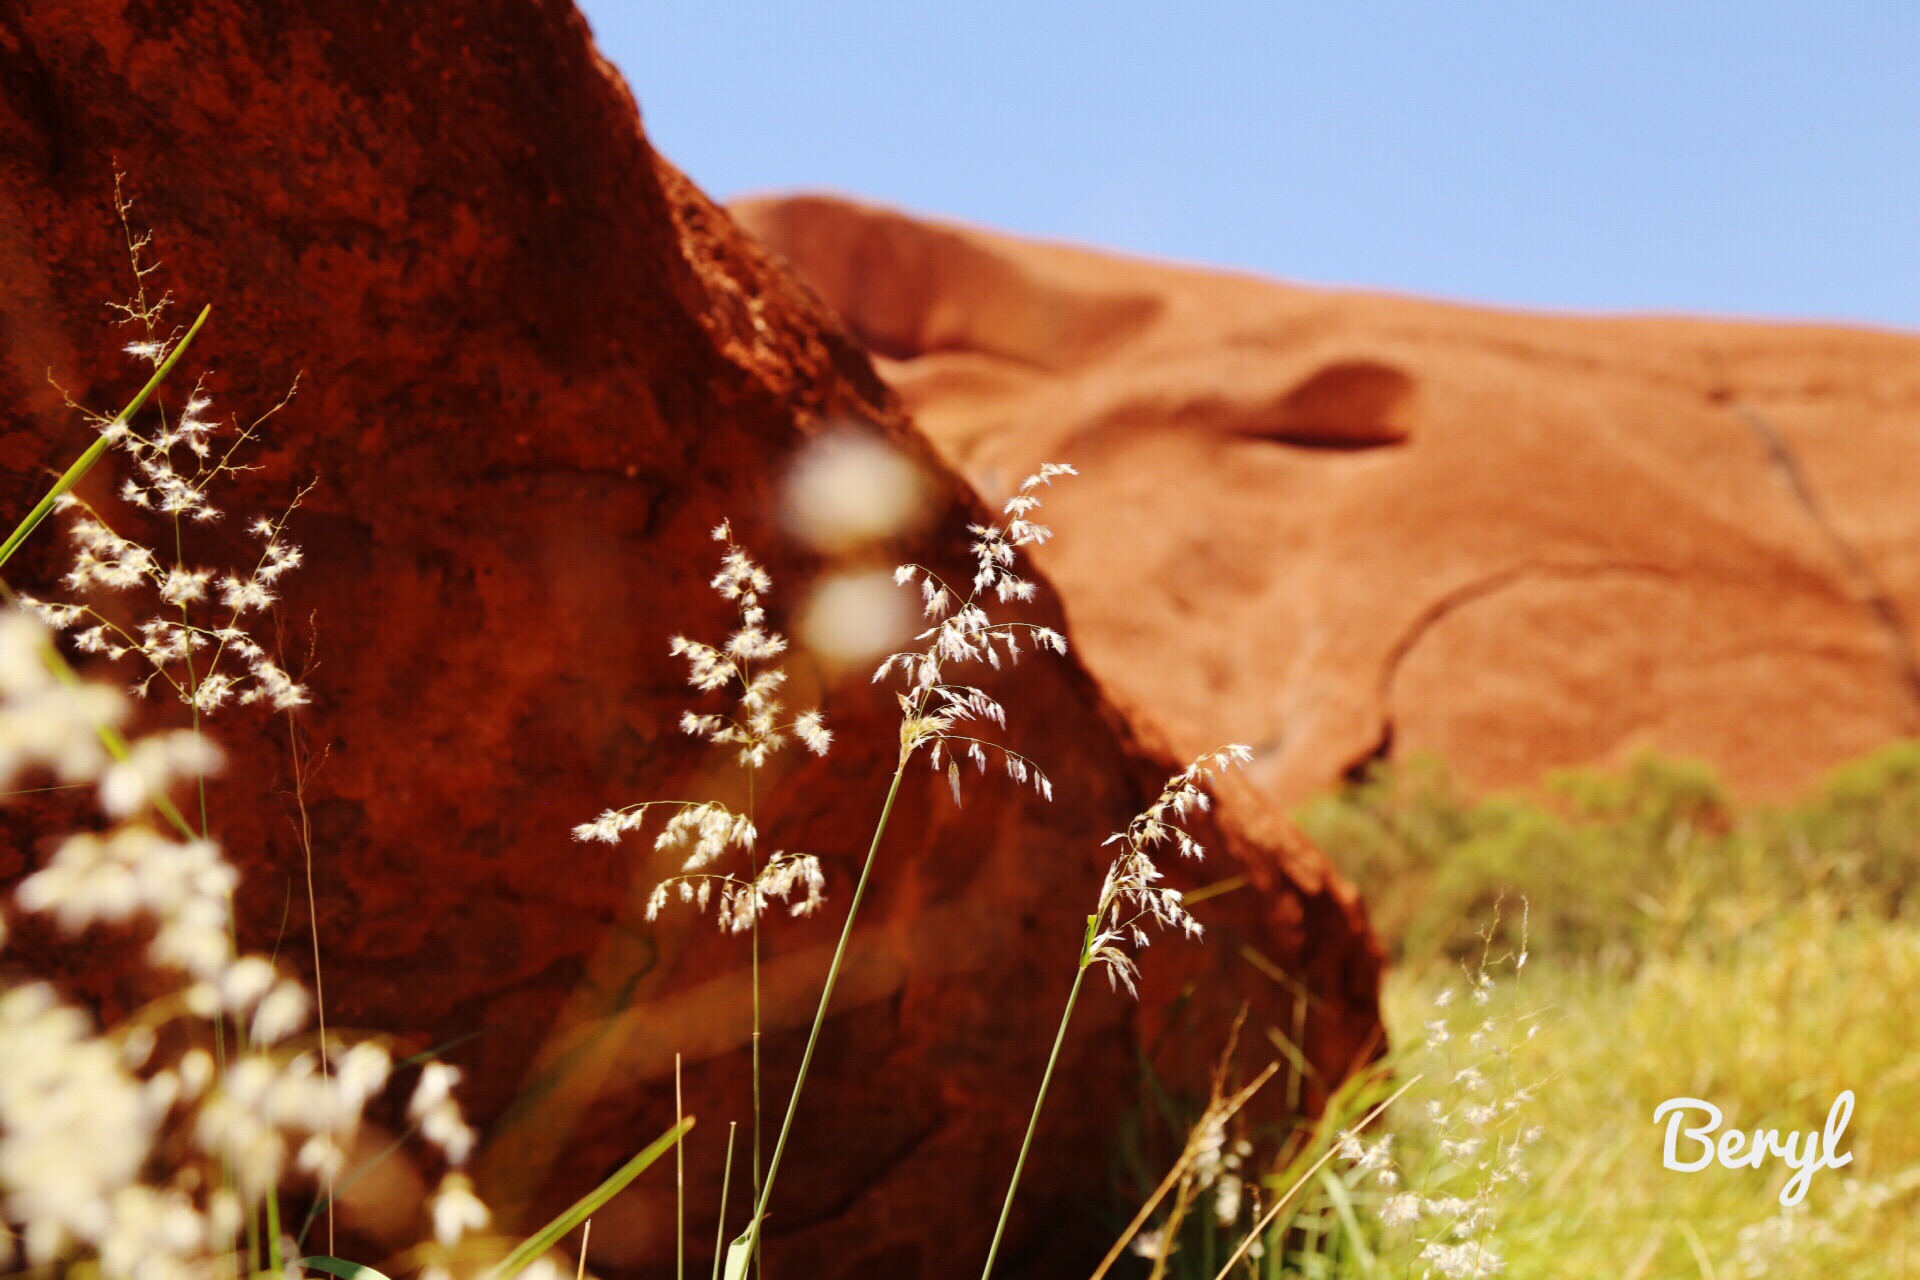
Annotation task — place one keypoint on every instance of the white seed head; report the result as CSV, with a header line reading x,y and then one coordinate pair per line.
x,y
457,1210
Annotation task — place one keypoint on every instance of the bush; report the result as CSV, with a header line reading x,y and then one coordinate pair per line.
x,y
1617,866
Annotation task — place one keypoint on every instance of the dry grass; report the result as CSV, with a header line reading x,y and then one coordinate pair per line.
x,y
1764,960
1770,1028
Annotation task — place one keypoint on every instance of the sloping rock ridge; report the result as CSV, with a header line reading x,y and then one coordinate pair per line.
x,y
1344,526
538,366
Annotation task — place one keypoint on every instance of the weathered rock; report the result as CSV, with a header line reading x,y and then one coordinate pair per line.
x,y
1345,525
538,366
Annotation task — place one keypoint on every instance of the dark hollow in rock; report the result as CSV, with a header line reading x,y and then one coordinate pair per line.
x,y
1349,404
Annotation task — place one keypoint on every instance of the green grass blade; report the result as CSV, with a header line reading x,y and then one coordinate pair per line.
x,y
1336,1190
535,1245
339,1267
84,463
740,1253
434,1054
273,1233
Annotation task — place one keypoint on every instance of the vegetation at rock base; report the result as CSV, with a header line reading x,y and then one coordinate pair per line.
x,y
1765,958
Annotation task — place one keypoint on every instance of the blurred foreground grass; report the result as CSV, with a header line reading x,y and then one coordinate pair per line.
x,y
1763,959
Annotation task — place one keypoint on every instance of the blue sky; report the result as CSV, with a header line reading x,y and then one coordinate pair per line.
x,y
1756,159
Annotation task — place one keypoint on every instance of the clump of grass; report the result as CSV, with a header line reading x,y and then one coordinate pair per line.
x,y
1131,897
1222,1210
211,1072
755,727
1410,1169
161,1148
1764,958
199,642
1771,1027
1441,1201
935,708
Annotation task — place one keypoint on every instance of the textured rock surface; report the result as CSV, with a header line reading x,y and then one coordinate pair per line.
x,y
1340,525
538,366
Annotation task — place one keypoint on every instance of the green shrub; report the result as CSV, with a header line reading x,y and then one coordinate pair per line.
x,y
1617,865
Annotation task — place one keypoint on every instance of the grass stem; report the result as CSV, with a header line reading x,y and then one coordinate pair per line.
x,y
1033,1121
679,1182
726,1181
275,1263
752,799
751,1237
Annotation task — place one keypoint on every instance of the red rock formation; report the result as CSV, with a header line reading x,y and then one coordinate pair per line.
x,y
1341,525
538,366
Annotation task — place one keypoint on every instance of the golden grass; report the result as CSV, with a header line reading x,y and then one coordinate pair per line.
x,y
1770,1029
1763,960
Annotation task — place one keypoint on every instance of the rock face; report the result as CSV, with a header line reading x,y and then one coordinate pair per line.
x,y
538,366
1343,525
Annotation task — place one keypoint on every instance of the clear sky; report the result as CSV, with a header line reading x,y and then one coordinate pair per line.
x,y
1670,155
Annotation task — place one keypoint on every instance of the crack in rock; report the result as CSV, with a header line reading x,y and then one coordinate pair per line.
x,y
1866,585
1452,602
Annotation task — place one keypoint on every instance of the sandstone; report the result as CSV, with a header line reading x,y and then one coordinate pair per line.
x,y
537,366
1345,526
